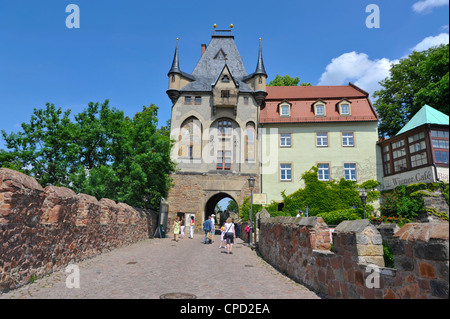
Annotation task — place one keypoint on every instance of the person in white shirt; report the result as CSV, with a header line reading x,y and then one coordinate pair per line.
x,y
229,235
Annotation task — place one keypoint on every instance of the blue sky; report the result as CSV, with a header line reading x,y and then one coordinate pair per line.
x,y
124,49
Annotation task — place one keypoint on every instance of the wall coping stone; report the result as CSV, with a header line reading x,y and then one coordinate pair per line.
x,y
353,226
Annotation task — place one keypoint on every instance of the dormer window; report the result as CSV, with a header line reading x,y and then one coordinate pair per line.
x,y
344,108
225,93
319,109
285,109
225,79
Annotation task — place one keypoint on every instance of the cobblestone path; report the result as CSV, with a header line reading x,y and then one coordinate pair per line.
x,y
154,267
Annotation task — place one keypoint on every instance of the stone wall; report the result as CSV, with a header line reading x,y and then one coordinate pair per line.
x,y
44,229
354,268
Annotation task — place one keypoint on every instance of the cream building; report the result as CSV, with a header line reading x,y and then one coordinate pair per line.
x,y
331,127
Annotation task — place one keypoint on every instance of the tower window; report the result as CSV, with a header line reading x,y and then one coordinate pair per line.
x,y
224,127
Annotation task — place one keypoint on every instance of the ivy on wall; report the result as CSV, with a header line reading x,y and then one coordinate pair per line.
x,y
334,201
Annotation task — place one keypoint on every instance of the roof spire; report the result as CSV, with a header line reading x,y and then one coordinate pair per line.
x,y
260,65
175,64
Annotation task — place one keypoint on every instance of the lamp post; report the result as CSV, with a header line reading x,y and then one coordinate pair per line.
x,y
363,197
251,185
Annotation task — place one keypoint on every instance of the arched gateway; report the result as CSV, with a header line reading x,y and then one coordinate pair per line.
x,y
214,125
198,194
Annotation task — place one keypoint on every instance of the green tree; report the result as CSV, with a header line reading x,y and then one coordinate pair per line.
x,y
43,149
103,153
232,206
286,81
421,78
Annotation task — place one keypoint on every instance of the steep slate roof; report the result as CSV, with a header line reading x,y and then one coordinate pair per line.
x,y
426,115
302,99
212,63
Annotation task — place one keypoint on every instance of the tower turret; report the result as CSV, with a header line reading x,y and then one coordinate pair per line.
x,y
177,78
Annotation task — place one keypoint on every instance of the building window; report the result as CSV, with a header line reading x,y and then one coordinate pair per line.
x,y
321,139
419,159
245,100
319,109
225,79
173,78
224,127
187,100
350,172
250,143
416,147
190,139
387,168
223,159
439,134
284,110
285,172
198,100
400,165
441,157
345,109
324,172
347,139
225,93
440,143
285,140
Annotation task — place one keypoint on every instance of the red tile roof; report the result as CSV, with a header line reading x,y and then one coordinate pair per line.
x,y
302,99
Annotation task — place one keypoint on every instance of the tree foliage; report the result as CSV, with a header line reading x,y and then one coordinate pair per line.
x,y
101,153
286,81
421,78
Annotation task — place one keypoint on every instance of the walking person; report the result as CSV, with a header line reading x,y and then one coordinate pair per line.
x,y
213,224
191,228
230,234
176,228
207,229
222,234
182,226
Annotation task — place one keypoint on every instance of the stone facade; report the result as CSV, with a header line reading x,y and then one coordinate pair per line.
x,y
300,247
44,229
199,193
214,124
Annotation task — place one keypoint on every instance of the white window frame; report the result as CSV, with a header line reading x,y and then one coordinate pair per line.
x,y
350,171
346,139
322,171
285,139
316,109
285,172
284,108
320,137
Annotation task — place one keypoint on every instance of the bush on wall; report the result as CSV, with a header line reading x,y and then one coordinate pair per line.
x,y
406,202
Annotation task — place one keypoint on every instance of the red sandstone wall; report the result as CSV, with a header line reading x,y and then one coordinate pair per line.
x,y
44,229
299,247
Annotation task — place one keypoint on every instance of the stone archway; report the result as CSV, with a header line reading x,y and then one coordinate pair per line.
x,y
212,202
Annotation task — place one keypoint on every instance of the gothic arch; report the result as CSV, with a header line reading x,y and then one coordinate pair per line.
x,y
190,138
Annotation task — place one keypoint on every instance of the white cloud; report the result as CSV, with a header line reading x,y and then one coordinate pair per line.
x,y
365,73
356,68
427,5
431,41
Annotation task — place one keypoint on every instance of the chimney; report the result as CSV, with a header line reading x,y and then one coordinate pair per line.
x,y
203,49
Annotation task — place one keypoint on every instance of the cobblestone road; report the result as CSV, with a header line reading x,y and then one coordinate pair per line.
x,y
155,267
